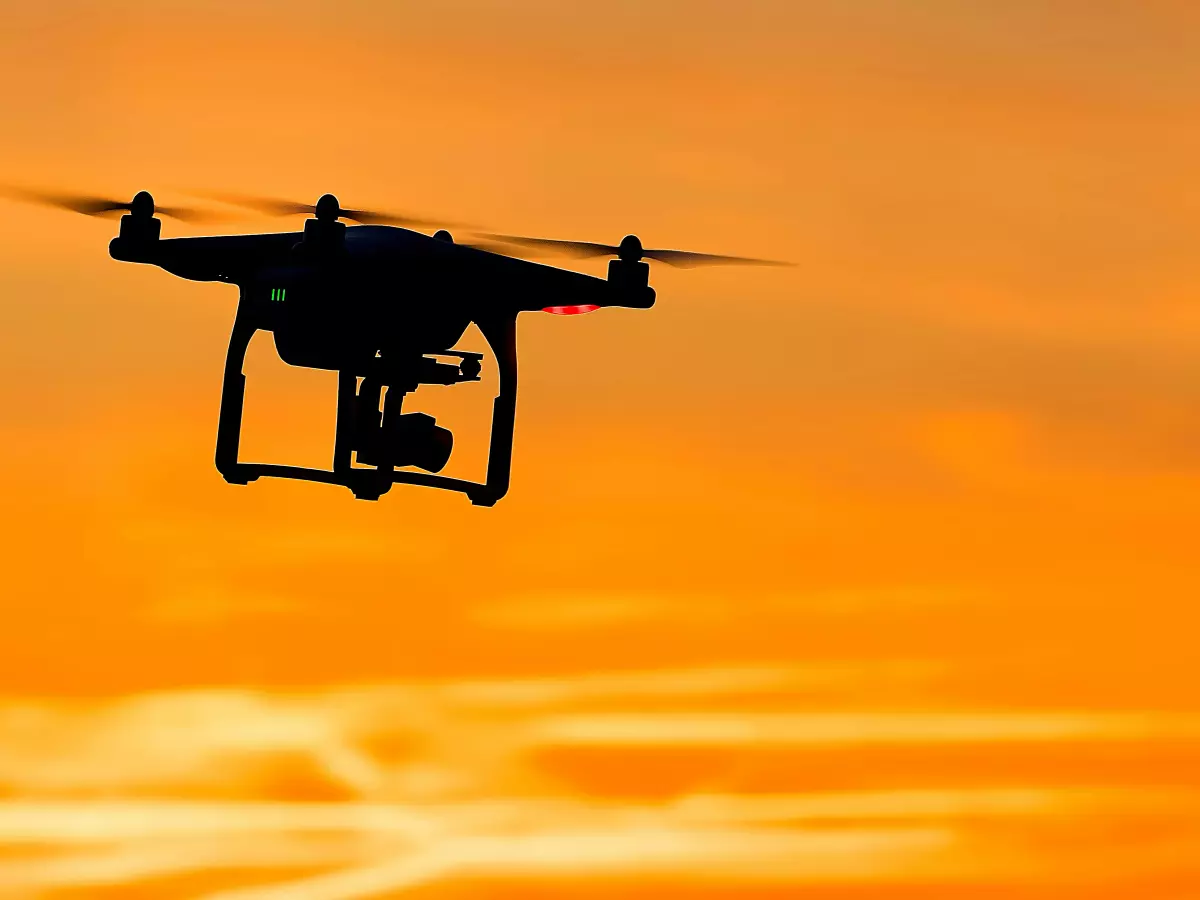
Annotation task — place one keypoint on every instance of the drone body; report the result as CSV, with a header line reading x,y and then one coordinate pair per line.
x,y
378,304
381,305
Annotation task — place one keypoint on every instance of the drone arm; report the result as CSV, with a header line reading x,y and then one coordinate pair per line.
x,y
501,335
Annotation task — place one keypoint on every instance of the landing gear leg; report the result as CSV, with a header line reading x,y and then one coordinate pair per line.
x,y
233,392
501,335
343,442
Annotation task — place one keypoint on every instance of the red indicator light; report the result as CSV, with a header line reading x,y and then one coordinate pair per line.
x,y
570,310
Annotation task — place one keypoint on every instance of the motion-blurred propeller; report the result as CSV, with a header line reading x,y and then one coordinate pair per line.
x,y
326,207
630,249
141,204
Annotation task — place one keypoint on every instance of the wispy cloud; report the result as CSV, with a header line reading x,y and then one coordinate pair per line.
x,y
443,779
858,728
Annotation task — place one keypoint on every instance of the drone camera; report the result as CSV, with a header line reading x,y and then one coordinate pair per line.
x,y
416,440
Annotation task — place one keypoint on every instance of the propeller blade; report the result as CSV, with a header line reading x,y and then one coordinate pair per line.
x,y
498,249
270,206
273,206
100,206
87,205
188,214
373,217
686,259
582,249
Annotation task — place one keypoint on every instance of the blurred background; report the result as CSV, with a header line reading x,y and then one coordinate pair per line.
x,y
871,577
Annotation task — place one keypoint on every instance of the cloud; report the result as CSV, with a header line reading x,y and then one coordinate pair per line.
x,y
574,610
750,729
442,779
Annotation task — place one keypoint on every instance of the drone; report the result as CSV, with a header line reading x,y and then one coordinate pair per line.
x,y
382,304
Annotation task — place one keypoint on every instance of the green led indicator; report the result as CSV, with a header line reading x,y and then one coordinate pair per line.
x,y
278,295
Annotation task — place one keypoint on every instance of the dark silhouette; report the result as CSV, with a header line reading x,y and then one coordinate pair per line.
x,y
381,305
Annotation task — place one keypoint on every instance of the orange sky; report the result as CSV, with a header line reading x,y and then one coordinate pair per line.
x,y
872,577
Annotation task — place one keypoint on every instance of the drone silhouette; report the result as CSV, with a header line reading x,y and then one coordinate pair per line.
x,y
382,305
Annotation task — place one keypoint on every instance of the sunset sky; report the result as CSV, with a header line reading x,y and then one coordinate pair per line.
x,y
872,577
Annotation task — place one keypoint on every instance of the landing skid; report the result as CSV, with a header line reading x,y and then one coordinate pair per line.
x,y
365,484
371,483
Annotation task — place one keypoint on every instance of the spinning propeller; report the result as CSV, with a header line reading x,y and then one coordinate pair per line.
x,y
631,250
142,205
326,208
329,209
